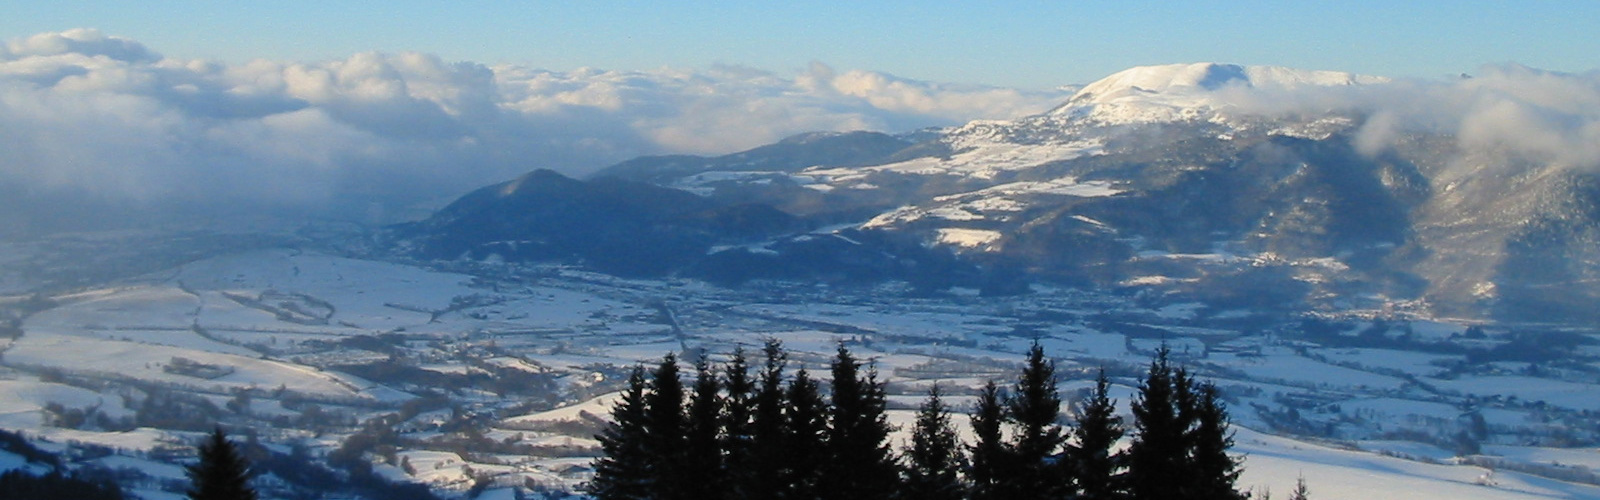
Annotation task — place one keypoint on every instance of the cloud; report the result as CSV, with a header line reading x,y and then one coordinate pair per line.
x,y
1512,112
91,115
102,116
83,42
1546,116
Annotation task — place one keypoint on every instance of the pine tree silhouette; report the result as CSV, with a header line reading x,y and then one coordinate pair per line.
x,y
990,470
771,440
805,451
1301,492
1215,472
664,429
1158,454
768,433
1035,405
623,472
222,473
1186,405
860,463
703,476
737,431
1089,461
934,458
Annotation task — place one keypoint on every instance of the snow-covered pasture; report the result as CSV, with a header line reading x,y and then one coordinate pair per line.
x,y
284,318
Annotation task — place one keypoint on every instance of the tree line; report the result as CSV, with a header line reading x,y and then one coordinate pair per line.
x,y
731,434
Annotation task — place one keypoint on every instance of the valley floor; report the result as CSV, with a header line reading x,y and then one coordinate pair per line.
x,y
499,375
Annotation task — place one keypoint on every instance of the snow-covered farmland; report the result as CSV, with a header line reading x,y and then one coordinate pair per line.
x,y
305,346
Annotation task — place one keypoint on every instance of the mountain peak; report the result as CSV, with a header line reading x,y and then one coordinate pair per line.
x,y
1193,85
1208,76
1215,76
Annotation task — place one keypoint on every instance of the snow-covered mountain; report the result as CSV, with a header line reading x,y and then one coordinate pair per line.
x,y
1238,185
1174,92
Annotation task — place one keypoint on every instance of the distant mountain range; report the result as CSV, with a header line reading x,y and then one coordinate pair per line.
x,y
1163,181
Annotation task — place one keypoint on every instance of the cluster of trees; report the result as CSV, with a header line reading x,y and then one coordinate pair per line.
x,y
17,484
223,471
57,484
738,436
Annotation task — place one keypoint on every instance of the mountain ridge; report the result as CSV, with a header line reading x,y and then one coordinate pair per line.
x,y
1150,181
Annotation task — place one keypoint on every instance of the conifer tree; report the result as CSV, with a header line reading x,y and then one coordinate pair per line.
x,y
990,470
222,473
860,463
934,459
1214,471
1186,405
805,437
797,446
623,471
1088,460
664,429
768,437
702,469
738,410
1158,453
1301,492
1034,407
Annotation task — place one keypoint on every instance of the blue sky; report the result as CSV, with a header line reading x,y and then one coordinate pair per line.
x,y
1034,44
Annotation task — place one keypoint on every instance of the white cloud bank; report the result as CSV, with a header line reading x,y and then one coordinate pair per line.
x,y
87,113
1511,111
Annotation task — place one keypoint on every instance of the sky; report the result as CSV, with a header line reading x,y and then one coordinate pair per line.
x,y
372,109
1017,43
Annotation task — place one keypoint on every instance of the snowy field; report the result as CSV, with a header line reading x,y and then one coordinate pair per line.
x,y
281,339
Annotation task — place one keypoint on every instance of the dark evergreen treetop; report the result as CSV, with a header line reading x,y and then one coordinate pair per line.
x,y
1088,459
805,451
664,429
768,417
221,473
1158,454
623,471
702,468
664,418
737,404
990,470
737,431
933,460
774,440
768,433
860,462
1186,405
1034,407
1214,471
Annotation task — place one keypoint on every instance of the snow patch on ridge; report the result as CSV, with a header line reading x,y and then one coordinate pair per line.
x,y
978,158
968,238
994,202
1067,186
